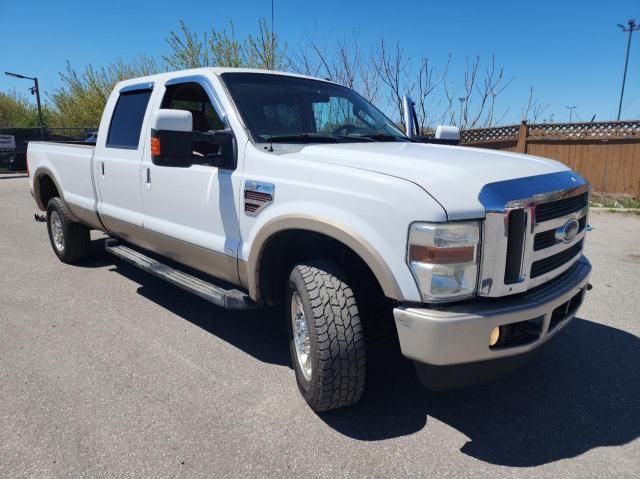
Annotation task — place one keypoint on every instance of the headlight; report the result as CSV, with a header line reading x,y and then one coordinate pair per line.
x,y
444,259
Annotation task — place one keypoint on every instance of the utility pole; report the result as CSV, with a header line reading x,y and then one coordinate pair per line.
x,y
571,108
631,28
35,90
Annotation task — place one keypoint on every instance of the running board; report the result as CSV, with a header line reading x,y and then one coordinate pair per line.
x,y
225,298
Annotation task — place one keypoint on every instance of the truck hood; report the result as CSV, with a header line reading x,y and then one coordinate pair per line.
x,y
452,175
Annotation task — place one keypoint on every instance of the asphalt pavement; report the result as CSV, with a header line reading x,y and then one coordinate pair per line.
x,y
106,371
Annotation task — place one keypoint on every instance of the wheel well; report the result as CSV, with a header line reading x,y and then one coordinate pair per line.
x,y
287,248
47,190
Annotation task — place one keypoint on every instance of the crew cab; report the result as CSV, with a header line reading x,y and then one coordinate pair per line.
x,y
253,188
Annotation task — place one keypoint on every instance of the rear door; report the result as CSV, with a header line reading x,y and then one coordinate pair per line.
x,y
118,157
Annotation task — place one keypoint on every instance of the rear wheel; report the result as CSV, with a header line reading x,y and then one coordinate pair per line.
x,y
71,242
325,336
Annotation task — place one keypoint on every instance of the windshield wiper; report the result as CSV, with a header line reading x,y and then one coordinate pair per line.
x,y
382,137
315,138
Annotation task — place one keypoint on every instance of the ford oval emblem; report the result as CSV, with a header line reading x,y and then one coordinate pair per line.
x,y
568,231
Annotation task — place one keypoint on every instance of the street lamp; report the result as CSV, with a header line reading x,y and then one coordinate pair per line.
x,y
571,108
34,90
632,28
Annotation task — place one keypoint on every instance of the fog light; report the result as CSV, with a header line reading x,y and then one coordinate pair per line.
x,y
494,337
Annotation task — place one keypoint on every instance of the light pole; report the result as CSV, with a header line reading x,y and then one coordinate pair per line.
x,y
570,108
631,28
34,90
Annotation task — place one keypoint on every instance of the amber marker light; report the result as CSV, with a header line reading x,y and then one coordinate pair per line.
x,y
155,146
434,255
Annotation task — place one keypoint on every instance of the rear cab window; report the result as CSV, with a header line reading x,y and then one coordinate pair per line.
x,y
128,116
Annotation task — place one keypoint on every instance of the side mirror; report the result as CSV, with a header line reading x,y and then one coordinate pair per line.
x,y
410,118
445,135
172,120
173,142
448,133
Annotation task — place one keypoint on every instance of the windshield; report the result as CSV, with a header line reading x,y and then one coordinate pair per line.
x,y
278,108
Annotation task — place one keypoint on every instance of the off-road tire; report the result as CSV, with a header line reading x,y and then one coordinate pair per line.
x,y
76,237
336,338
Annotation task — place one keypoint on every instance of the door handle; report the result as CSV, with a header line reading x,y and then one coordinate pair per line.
x,y
147,178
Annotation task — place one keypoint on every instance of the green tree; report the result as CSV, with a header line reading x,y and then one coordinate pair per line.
x,y
223,48
264,49
16,111
80,100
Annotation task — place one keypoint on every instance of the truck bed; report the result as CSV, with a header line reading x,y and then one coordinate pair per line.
x,y
70,165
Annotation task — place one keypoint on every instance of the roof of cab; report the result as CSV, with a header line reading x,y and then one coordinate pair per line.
x,y
162,77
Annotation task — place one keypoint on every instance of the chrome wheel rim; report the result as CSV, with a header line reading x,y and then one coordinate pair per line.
x,y
56,231
301,335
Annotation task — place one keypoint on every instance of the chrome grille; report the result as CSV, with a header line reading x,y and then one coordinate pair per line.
x,y
558,208
529,241
548,238
552,262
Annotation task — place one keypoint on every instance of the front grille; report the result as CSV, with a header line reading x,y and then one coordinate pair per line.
x,y
550,263
544,240
548,238
558,208
515,245
526,231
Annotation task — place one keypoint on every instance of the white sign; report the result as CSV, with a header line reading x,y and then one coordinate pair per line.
x,y
7,143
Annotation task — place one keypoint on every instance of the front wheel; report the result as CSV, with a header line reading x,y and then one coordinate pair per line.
x,y
325,336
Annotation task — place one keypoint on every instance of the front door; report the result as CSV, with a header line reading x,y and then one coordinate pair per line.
x,y
191,214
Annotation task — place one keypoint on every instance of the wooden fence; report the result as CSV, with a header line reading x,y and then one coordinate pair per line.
x,y
607,154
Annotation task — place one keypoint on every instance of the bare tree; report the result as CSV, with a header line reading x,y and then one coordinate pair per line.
x,y
393,71
533,111
346,63
477,101
425,85
384,74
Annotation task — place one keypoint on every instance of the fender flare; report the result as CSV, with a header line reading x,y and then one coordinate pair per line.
x,y
37,176
356,242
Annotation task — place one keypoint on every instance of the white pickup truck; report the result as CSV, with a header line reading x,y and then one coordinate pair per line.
x,y
254,188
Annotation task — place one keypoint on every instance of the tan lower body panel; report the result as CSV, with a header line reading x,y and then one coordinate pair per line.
x,y
210,262
85,216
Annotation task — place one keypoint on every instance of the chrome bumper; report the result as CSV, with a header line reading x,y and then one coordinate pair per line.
x,y
460,334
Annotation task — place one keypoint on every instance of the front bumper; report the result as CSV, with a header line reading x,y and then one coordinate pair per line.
x,y
459,334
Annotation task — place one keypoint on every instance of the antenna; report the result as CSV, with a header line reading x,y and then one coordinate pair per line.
x,y
273,41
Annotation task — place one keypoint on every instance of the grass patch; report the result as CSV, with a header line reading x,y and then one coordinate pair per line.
x,y
607,200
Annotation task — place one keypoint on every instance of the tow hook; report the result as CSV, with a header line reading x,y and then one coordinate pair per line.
x,y
39,218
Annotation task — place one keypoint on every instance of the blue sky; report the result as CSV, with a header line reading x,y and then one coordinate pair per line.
x,y
571,52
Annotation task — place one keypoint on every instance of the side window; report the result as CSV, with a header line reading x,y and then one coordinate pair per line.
x,y
126,122
192,97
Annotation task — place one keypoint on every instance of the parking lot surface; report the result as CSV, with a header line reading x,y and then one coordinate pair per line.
x,y
106,371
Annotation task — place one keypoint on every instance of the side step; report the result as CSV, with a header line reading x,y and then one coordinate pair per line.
x,y
225,298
